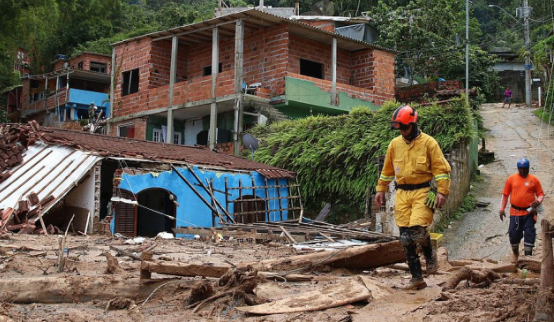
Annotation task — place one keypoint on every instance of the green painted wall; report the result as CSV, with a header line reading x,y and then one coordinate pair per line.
x,y
155,122
303,98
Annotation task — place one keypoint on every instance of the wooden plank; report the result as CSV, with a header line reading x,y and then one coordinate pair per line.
x,y
183,270
327,237
324,212
289,236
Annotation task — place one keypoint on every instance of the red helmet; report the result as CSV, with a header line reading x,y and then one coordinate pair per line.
x,y
403,116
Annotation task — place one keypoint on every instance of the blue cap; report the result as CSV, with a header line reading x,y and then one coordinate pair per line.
x,y
523,163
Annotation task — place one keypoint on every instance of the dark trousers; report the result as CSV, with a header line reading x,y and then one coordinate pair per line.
x,y
522,227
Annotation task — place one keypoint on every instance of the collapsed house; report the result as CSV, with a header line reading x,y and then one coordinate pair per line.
x,y
49,176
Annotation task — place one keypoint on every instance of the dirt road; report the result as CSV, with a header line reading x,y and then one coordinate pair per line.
x,y
511,134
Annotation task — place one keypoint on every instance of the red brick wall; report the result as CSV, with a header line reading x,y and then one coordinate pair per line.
x,y
200,56
301,48
132,55
225,148
383,74
363,69
25,94
265,58
160,63
86,58
415,93
140,127
129,56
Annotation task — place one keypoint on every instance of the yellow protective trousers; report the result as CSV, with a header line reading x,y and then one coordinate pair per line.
x,y
410,209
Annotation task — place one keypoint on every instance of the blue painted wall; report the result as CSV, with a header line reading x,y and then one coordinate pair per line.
x,y
79,98
192,211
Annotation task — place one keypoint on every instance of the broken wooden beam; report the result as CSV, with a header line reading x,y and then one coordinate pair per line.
x,y
147,267
334,295
356,257
125,253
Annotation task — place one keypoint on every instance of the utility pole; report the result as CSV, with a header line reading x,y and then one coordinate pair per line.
x,y
467,52
526,13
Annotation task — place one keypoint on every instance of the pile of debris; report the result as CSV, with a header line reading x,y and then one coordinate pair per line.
x,y
13,141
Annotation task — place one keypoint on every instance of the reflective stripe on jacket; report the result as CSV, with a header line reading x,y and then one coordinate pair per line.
x,y
415,162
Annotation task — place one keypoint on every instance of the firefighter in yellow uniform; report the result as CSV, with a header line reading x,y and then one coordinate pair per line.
x,y
413,160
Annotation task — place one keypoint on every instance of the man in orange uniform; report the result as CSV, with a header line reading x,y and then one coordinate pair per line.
x,y
526,194
413,160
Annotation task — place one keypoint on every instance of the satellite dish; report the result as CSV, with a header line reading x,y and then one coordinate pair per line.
x,y
250,142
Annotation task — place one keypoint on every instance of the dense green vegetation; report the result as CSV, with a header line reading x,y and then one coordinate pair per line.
x,y
335,156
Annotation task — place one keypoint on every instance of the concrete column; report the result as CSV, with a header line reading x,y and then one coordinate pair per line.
x,y
334,73
172,75
526,13
45,92
215,70
239,52
112,91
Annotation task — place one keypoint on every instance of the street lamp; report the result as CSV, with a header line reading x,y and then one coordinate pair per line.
x,y
506,12
527,65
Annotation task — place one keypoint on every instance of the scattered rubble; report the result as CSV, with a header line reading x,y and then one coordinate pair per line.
x,y
208,279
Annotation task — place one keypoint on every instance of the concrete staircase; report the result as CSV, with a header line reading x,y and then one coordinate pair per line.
x,y
261,105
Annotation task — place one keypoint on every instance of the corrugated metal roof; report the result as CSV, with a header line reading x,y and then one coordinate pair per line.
x,y
47,170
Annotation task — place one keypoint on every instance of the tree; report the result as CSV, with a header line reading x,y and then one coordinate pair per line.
x,y
430,39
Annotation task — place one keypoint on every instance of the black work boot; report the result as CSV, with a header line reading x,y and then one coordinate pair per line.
x,y
528,250
417,282
431,263
515,253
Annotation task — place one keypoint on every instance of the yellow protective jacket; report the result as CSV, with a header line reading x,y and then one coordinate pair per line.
x,y
415,162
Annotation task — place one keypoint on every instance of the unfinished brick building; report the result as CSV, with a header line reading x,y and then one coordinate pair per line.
x,y
207,82
65,93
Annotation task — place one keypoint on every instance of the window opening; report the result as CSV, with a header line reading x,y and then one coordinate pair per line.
x,y
130,82
98,67
208,70
311,68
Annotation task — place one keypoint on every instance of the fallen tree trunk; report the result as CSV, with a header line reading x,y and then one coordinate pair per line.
x,y
359,257
465,273
544,310
74,289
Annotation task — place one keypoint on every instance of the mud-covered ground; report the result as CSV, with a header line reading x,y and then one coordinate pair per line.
x,y
29,262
